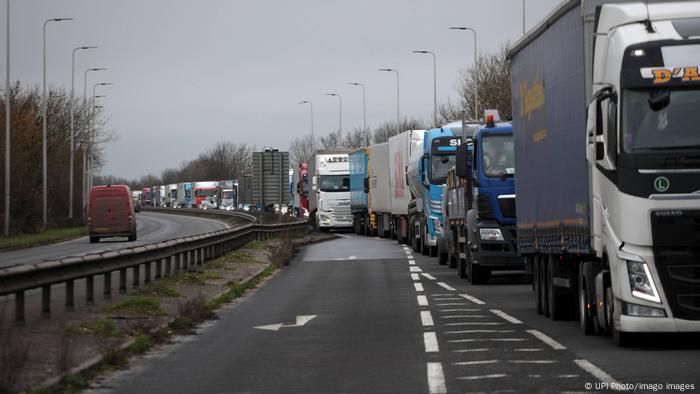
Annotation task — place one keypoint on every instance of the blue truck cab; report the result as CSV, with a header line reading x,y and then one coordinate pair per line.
x,y
439,149
359,173
491,232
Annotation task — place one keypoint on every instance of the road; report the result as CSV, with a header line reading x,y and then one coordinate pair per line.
x,y
151,228
364,315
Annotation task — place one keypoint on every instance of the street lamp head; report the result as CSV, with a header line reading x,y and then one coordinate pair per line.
x,y
105,83
101,96
61,19
331,94
386,69
88,47
97,69
353,83
458,28
304,102
420,51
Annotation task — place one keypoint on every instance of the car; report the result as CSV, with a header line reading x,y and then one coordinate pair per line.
x,y
111,213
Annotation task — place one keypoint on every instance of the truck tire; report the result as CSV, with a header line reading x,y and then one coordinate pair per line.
x,y
585,311
415,242
462,267
453,248
556,302
537,283
478,275
94,240
442,251
425,248
434,251
132,237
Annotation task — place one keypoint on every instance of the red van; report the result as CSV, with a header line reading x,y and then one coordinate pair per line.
x,y
111,213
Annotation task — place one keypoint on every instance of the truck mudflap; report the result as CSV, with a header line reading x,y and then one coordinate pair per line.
x,y
497,254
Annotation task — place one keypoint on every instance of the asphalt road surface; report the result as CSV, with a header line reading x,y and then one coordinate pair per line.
x,y
363,315
151,228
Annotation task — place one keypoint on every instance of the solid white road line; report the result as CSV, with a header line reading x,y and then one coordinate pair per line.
x,y
418,286
568,376
532,361
452,304
506,316
446,286
528,350
472,299
546,339
487,340
436,379
430,342
598,373
476,362
491,376
414,268
460,316
415,277
481,349
478,323
447,299
477,331
422,300
428,276
426,319
459,310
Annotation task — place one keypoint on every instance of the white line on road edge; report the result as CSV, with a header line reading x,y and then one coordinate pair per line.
x,y
343,236
481,349
506,316
426,319
446,286
411,262
436,379
415,277
546,339
422,300
418,286
428,276
476,362
491,376
599,374
460,316
451,303
430,342
478,323
532,361
472,299
528,350
413,268
487,340
460,310
478,331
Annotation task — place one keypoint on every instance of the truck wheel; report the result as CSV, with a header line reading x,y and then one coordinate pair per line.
x,y
462,267
425,248
544,293
94,240
585,307
412,237
433,251
537,284
557,304
478,275
442,252
132,237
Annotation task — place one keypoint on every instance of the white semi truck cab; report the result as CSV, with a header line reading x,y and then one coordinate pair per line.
x,y
329,201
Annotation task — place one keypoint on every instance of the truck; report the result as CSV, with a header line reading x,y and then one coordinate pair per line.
x,y
485,240
184,195
379,200
402,147
229,195
146,197
301,190
362,219
270,187
329,200
207,194
172,195
426,175
605,98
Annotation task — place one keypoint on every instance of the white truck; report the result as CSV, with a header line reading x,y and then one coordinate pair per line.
x,y
171,199
401,148
379,198
606,99
329,200
229,195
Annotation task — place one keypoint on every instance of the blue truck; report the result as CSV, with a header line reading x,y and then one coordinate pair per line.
x,y
480,234
359,188
426,175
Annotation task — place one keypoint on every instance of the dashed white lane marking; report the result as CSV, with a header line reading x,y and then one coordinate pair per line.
x,y
411,262
528,350
428,276
461,316
477,331
546,339
472,299
446,286
452,304
476,362
459,310
487,340
418,286
481,349
414,268
436,379
532,361
430,342
490,376
422,300
568,376
415,277
426,319
463,324
477,323
447,299
441,294
506,316
597,373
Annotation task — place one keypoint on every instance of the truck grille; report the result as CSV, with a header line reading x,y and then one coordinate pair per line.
x,y
507,206
676,245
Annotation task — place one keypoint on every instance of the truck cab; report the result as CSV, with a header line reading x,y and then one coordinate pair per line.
x,y
363,222
426,175
329,202
490,219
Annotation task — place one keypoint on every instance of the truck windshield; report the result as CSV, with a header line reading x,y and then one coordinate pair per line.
x,y
440,164
497,156
334,183
227,194
660,119
205,192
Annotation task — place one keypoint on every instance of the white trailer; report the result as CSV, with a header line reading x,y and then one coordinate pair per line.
x,y
379,199
329,200
401,147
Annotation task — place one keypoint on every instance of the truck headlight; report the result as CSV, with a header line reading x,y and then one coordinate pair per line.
x,y
491,234
436,225
641,282
325,218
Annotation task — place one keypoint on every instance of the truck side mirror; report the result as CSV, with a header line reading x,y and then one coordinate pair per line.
x,y
462,160
366,184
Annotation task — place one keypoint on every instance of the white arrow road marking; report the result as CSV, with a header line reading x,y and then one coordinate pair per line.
x,y
300,322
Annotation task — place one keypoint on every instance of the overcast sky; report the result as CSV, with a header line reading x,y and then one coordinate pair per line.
x,y
188,74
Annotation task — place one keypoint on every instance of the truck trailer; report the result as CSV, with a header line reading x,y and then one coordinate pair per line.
x,y
605,105
329,200
402,147
379,189
362,219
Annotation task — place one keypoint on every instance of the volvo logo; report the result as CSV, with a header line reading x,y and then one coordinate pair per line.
x,y
661,184
668,213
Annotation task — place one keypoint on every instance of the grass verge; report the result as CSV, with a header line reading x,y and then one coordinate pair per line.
x,y
23,241
137,305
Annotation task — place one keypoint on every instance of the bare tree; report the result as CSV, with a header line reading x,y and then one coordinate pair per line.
x,y
301,149
330,141
357,138
492,75
389,129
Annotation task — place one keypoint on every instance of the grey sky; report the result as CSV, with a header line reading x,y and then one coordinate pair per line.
x,y
190,73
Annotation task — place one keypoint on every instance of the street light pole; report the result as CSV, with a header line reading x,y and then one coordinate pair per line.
x,y
7,121
85,189
434,81
364,108
92,130
311,105
340,132
398,118
72,129
476,82
523,17
44,120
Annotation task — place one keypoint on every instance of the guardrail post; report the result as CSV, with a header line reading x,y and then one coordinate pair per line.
x,y
147,272
194,261
169,263
19,307
70,305
136,272
107,286
188,261
46,301
202,256
159,268
90,290
122,281
178,262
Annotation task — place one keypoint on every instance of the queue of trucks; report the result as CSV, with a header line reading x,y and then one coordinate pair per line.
x,y
202,195
605,141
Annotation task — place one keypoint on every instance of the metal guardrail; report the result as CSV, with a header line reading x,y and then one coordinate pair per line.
x,y
161,259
